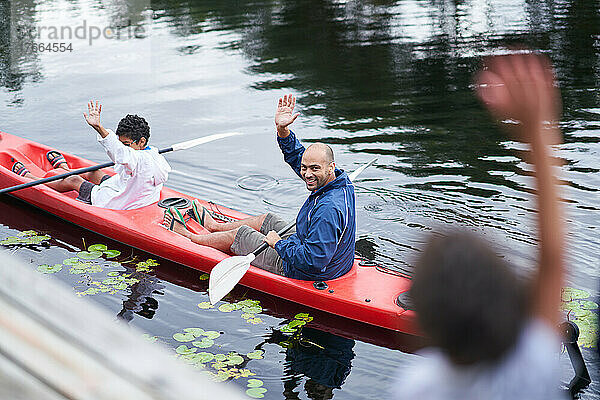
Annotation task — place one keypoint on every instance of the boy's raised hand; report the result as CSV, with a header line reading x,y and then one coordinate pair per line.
x,y
93,116
522,87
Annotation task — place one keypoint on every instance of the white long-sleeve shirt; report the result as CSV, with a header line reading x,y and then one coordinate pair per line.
x,y
139,179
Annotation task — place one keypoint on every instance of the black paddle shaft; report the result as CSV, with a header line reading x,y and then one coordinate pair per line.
x,y
264,246
67,174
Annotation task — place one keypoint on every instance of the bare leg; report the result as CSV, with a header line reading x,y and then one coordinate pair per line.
x,y
94,176
64,185
218,240
214,226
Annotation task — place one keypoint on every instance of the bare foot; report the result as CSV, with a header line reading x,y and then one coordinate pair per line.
x,y
172,218
209,222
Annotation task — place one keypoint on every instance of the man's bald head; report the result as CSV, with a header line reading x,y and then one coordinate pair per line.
x,y
317,167
322,149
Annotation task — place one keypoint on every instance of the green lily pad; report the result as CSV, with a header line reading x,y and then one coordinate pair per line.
x,y
248,302
569,293
197,332
120,286
35,239
10,240
71,261
111,253
111,281
204,343
220,376
235,360
253,309
184,337
254,383
89,255
204,277
113,273
287,329
256,392
588,305
220,357
226,307
296,323
49,269
97,247
255,321
205,357
205,305
93,268
304,317
219,365
255,355
27,233
247,315
183,349
212,334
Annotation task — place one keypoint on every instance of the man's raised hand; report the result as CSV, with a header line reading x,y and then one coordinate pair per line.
x,y
93,116
284,115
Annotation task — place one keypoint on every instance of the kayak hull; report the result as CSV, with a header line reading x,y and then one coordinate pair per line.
x,y
365,294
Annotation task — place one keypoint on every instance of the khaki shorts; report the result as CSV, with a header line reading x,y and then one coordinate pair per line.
x,y
247,240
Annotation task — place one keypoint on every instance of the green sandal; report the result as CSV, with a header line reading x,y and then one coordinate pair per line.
x,y
175,218
195,215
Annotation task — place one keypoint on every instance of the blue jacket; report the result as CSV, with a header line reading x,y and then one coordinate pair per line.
x,y
323,246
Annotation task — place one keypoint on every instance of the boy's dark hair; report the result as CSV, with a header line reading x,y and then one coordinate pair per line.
x,y
467,299
133,127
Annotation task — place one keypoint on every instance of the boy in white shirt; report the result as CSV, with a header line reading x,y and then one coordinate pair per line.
x,y
141,171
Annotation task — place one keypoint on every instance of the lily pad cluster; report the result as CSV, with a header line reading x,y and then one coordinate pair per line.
x,y
248,307
297,323
25,238
222,366
582,310
144,266
112,284
94,260
255,388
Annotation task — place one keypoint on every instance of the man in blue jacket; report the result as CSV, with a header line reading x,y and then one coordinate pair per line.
x,y
322,247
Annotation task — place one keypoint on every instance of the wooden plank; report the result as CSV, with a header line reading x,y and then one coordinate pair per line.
x,y
74,350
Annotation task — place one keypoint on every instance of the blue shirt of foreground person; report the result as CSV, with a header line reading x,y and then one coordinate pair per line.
x,y
322,247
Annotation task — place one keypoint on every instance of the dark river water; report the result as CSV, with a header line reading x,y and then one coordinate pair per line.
x,y
384,79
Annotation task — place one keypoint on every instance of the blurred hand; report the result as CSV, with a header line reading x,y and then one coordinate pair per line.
x,y
284,115
522,87
272,238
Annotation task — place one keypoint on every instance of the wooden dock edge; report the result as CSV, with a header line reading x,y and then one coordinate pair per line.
x,y
54,345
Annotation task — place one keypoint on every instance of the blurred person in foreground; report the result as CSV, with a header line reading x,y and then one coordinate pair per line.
x,y
496,337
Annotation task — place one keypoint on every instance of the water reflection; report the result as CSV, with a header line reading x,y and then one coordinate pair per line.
x,y
17,64
141,300
321,359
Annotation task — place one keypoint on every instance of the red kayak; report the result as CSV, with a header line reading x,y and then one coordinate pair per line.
x,y
369,293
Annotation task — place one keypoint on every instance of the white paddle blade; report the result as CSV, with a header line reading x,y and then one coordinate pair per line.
x,y
195,142
226,274
360,169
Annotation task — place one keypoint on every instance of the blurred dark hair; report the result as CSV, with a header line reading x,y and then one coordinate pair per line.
x,y
134,127
467,299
